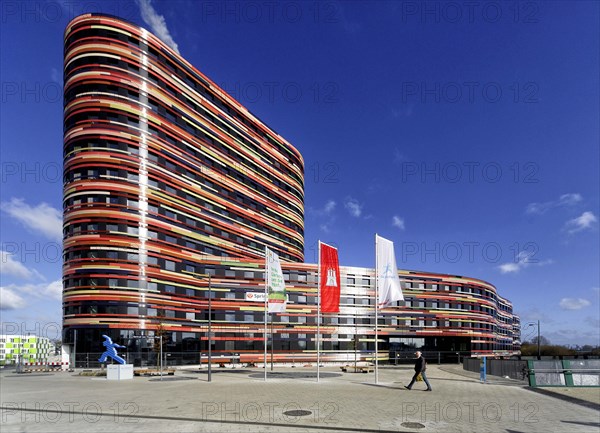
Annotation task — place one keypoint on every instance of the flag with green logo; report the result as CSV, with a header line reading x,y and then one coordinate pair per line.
x,y
275,284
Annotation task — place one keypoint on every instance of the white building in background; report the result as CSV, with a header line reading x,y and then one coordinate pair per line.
x,y
29,348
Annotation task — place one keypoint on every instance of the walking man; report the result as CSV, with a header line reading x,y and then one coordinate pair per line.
x,y
420,367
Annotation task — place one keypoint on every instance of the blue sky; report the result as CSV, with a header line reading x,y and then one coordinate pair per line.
x,y
467,133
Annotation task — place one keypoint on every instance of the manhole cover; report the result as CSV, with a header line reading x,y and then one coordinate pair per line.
x,y
297,412
412,425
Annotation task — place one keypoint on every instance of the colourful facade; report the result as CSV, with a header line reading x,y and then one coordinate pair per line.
x,y
166,176
24,349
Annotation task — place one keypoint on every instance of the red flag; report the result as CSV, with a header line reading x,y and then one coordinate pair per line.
x,y
329,275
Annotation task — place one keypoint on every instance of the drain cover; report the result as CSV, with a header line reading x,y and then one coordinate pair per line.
x,y
412,425
297,412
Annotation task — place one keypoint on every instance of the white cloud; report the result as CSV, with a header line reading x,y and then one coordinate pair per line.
x,y
594,322
507,268
354,207
573,336
585,221
13,296
42,218
329,207
326,213
399,157
54,76
157,23
573,303
326,210
532,315
325,228
10,266
9,300
565,200
398,222
523,260
54,290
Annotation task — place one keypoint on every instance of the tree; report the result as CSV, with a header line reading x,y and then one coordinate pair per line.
x,y
543,341
159,332
531,349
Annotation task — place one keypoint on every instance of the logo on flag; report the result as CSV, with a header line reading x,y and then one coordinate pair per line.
x,y
275,283
388,282
329,279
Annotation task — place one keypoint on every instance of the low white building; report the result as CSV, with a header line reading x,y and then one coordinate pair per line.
x,y
25,348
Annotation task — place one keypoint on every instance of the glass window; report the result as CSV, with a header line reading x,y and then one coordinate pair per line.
x,y
133,230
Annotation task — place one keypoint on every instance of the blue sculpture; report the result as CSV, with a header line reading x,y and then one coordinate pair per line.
x,y
111,350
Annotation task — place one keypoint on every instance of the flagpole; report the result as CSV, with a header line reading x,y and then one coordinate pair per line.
x,y
266,300
376,313
319,315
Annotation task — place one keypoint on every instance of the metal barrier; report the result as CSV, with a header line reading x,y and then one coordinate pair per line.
x,y
29,367
542,372
398,357
566,372
151,359
512,368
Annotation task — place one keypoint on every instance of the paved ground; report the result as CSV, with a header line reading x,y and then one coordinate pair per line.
x,y
586,396
240,401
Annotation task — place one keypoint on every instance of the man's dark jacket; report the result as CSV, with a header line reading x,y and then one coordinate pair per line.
x,y
420,364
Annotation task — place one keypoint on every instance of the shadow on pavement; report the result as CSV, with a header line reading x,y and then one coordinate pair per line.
x,y
293,375
215,371
591,424
568,398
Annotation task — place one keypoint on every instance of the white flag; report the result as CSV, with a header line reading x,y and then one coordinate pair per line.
x,y
275,283
388,282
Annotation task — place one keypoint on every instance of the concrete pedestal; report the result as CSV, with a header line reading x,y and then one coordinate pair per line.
x,y
119,371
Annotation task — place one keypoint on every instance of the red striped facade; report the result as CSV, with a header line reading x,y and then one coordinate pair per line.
x,y
165,175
